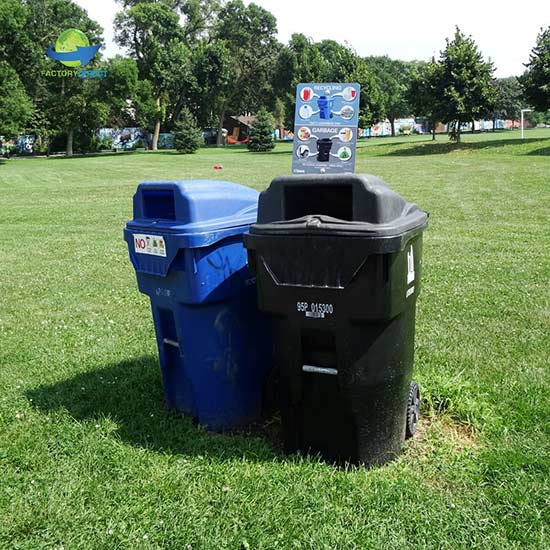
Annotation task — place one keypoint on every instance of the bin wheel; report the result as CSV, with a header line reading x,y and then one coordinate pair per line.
x,y
413,410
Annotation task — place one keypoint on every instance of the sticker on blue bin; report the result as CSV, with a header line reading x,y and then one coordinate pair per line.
x,y
153,245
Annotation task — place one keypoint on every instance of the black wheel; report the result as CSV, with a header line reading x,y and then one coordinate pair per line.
x,y
413,410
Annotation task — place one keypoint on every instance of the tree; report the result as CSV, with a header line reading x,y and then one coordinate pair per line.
x,y
299,61
211,70
197,16
538,117
536,80
119,89
371,101
328,61
26,30
16,107
393,80
77,110
144,105
261,133
154,37
279,115
422,93
464,83
188,137
508,99
248,33
342,64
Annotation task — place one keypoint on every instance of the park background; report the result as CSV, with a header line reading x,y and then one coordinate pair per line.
x,y
215,68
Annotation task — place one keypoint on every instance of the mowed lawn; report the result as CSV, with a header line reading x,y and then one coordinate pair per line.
x,y
89,458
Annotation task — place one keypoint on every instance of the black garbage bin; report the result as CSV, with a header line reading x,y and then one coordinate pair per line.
x,y
337,260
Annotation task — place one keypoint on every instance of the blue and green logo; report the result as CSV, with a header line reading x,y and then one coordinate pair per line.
x,y
72,48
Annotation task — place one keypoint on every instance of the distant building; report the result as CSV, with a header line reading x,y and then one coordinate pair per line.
x,y
238,127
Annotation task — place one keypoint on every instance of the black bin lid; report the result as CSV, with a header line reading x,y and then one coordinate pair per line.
x,y
358,205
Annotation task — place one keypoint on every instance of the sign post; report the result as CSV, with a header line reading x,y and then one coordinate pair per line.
x,y
325,128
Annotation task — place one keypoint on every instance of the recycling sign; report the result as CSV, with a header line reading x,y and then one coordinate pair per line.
x,y
325,128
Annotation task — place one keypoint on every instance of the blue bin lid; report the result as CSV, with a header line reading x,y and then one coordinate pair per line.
x,y
201,212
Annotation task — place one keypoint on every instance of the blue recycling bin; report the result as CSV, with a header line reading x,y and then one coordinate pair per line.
x,y
325,107
186,245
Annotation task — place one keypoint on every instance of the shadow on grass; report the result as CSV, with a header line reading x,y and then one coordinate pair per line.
x,y
439,148
389,141
545,151
245,150
130,393
79,156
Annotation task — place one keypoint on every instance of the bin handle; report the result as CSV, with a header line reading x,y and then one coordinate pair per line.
x,y
319,370
169,342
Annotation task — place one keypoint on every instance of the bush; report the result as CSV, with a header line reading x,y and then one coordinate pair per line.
x,y
187,135
261,133
99,143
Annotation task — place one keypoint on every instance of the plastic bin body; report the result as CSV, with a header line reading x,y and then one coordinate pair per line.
x,y
324,145
214,344
325,107
340,276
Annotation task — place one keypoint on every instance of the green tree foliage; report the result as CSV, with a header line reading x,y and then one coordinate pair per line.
x,y
15,106
211,70
26,30
328,61
41,127
152,33
78,111
188,137
508,99
279,116
261,133
463,82
119,89
393,78
197,16
538,117
299,61
248,33
144,105
371,101
536,80
342,64
422,94
171,41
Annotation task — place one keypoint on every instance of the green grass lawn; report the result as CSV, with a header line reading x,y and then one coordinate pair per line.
x,y
89,458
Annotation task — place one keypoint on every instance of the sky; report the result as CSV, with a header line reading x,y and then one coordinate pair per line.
x,y
505,31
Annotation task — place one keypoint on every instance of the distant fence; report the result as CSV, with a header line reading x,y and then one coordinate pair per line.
x,y
127,139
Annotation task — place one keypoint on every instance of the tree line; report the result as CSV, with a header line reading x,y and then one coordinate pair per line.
x,y
193,62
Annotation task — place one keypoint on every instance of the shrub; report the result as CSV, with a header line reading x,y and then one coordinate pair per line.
x,y
187,135
261,133
99,143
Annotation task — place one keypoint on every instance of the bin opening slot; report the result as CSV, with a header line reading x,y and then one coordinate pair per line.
x,y
159,204
335,201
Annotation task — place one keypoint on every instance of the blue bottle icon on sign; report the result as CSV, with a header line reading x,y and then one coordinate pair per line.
x,y
325,107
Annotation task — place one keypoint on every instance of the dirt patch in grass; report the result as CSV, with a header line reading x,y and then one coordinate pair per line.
x,y
440,433
435,434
